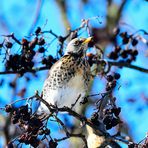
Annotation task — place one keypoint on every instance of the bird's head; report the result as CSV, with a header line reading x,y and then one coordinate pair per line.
x,y
78,46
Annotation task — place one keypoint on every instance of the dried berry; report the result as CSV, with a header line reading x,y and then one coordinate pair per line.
x,y
108,126
117,49
15,118
125,40
109,78
135,52
41,41
134,42
113,84
9,108
50,58
38,30
113,55
107,120
41,50
116,76
25,42
123,34
128,60
116,111
23,109
53,144
94,117
124,54
44,61
33,141
8,45
114,122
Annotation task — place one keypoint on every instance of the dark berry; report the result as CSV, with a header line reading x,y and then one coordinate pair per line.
x,y
114,122
134,42
33,141
25,42
107,120
8,44
38,30
116,111
135,52
41,41
113,84
129,51
109,78
117,49
124,54
41,50
50,58
15,119
44,61
94,117
123,34
53,144
108,126
113,55
125,40
116,76
9,108
23,109
129,61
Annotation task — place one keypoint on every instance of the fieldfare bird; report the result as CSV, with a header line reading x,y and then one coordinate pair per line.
x,y
69,77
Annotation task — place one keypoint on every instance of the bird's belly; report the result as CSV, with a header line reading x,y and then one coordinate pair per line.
x,y
68,94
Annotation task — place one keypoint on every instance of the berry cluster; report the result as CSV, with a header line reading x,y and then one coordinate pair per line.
x,y
25,60
112,81
126,55
49,61
32,125
111,117
94,118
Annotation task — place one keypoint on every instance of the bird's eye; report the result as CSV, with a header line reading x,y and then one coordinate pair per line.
x,y
77,43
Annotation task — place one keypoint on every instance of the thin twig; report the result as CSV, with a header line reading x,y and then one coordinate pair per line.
x,y
13,37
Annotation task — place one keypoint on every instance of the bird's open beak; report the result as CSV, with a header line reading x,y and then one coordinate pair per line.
x,y
87,40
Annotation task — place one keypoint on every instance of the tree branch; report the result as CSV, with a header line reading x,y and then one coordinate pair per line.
x,y
110,63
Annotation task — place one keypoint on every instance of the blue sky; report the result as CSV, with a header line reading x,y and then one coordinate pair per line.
x,y
19,16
